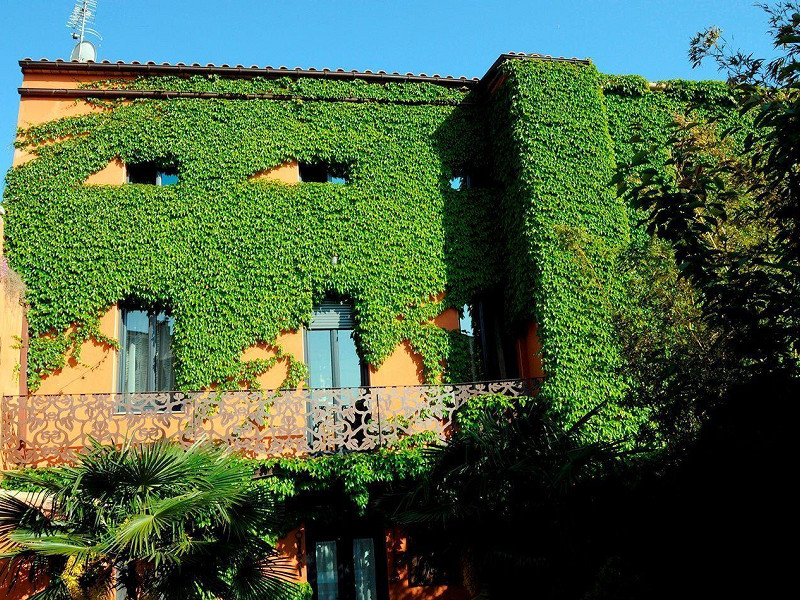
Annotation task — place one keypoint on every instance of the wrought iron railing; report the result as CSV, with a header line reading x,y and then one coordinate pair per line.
x,y
53,429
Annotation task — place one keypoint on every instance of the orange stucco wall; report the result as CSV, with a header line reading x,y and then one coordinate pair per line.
x,y
288,172
288,547
399,585
529,353
404,366
21,590
64,81
112,174
34,111
291,342
12,314
97,370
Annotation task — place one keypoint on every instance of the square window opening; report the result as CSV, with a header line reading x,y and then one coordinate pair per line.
x,y
150,173
324,172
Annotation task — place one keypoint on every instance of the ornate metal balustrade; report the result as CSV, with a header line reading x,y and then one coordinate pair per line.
x,y
47,430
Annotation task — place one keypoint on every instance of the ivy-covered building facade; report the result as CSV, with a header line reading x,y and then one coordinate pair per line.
x,y
317,268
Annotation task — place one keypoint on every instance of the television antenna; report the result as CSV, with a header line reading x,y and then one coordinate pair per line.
x,y
79,20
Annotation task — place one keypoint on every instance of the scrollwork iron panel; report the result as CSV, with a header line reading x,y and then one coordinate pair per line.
x,y
51,429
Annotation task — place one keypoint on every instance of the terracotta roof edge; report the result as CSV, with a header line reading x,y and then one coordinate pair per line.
x,y
135,67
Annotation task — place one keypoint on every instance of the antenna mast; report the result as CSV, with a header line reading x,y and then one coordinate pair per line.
x,y
79,20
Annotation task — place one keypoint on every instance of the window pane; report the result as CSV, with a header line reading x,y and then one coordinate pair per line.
x,y
147,359
313,172
327,575
320,359
137,360
145,173
455,183
165,376
168,178
465,322
364,563
349,363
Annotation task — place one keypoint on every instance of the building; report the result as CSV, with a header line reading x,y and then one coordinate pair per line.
x,y
304,262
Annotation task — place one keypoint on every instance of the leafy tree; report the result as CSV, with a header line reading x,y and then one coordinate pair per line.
x,y
157,519
748,284
726,204
502,494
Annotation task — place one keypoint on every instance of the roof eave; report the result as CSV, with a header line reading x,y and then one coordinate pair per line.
x,y
239,71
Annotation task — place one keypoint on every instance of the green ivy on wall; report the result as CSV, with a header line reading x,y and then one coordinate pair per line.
x,y
565,228
239,261
356,476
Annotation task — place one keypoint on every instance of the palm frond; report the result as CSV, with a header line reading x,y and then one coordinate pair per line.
x,y
140,533
56,590
177,522
267,577
18,514
54,545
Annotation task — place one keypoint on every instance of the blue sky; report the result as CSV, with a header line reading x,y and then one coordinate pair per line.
x,y
462,37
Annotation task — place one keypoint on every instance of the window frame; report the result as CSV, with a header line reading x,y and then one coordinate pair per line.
x,y
500,361
333,172
334,346
152,322
344,534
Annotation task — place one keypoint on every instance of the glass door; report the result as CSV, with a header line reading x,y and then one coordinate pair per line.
x,y
345,568
336,374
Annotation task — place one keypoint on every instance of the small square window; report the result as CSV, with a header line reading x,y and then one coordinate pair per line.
x,y
167,178
462,180
322,172
465,324
151,174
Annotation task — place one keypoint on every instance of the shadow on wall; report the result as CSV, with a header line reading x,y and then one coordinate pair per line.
x,y
12,318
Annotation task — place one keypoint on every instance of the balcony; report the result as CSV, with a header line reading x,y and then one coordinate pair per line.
x,y
47,430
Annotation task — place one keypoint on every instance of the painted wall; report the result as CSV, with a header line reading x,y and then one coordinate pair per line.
x,y
97,370
529,353
11,325
400,587
22,589
293,547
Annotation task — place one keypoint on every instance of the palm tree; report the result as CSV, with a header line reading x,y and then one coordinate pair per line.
x,y
157,520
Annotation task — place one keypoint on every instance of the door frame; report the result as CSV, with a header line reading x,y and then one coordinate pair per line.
x,y
344,533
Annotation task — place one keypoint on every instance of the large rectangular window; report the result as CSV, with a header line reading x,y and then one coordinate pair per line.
x,y
336,375
498,345
146,359
364,569
327,571
331,352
